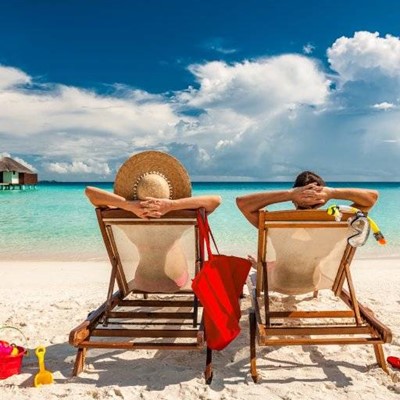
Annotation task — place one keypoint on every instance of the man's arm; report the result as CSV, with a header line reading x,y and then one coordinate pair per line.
x,y
310,196
250,204
363,199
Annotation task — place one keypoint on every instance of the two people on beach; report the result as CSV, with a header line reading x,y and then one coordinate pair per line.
x,y
309,191
152,184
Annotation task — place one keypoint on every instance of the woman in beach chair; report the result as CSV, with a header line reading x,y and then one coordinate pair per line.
x,y
150,231
151,195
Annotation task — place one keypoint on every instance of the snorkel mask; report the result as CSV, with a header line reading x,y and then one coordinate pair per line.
x,y
360,223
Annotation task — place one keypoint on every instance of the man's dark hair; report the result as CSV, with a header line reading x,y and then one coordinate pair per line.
x,y
307,177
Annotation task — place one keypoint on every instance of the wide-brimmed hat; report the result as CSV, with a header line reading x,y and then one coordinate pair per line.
x,y
152,174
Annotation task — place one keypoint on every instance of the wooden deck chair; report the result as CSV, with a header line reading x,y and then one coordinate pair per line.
x,y
153,263
303,252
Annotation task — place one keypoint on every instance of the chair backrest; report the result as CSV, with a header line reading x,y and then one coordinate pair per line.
x,y
156,255
303,250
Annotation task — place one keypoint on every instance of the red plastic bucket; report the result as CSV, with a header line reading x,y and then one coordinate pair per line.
x,y
11,365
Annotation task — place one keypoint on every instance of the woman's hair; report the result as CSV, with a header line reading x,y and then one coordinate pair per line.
x,y
307,177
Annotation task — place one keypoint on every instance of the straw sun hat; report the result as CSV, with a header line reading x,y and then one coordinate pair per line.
x,y
152,174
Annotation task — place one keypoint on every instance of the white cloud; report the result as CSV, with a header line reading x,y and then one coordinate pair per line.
x,y
70,108
23,162
367,71
365,55
78,167
384,106
258,87
10,77
308,48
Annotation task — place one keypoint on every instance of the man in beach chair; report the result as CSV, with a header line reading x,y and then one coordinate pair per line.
x,y
149,228
302,252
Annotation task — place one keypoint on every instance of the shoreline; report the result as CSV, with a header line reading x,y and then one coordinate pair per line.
x,y
91,259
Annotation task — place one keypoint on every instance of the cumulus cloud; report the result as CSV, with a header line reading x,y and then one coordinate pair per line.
x,y
365,55
258,87
68,108
367,70
58,122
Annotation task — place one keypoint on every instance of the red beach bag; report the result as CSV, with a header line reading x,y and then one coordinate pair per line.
x,y
218,286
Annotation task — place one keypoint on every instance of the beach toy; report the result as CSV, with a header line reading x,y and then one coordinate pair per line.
x,y
5,348
394,362
10,356
43,377
11,364
15,350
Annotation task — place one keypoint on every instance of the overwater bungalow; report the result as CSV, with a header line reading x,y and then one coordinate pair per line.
x,y
14,175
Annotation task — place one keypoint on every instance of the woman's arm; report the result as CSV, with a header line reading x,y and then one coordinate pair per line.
x,y
160,207
99,197
151,207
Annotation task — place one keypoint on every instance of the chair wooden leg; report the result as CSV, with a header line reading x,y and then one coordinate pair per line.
x,y
79,361
253,360
315,294
380,357
208,372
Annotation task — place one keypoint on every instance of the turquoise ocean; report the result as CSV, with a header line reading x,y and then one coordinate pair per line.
x,y
55,221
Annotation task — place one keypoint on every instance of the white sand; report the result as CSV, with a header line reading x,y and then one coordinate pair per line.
x,y
47,299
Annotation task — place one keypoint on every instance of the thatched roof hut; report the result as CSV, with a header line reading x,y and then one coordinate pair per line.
x,y
14,173
8,164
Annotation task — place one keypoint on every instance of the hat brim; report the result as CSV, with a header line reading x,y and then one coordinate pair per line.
x,y
152,161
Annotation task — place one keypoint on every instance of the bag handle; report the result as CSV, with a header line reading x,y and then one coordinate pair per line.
x,y
207,225
205,232
212,237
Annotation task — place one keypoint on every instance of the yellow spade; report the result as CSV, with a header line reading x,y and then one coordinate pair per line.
x,y
43,377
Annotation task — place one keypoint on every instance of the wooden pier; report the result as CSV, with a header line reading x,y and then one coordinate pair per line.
x,y
15,186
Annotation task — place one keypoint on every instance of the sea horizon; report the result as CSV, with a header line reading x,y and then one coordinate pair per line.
x,y
222,181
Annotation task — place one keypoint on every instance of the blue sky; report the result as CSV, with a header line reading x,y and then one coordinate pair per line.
x,y
255,90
